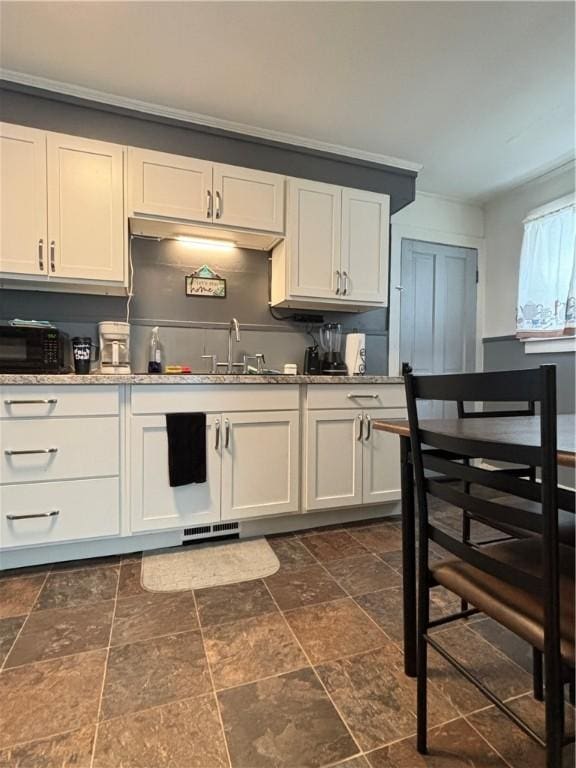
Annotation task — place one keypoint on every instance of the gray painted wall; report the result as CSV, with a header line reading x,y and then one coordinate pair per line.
x,y
66,114
507,353
193,326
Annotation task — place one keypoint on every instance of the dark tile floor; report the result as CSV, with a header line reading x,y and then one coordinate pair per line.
x,y
303,668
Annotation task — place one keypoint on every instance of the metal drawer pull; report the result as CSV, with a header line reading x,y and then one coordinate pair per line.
x,y
41,255
227,425
217,429
354,396
49,401
10,452
52,513
208,204
218,205
345,278
361,422
52,256
368,427
338,279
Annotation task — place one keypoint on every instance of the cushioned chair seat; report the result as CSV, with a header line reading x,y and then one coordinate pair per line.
x,y
517,609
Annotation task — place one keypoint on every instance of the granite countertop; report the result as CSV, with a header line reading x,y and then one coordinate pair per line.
x,y
195,378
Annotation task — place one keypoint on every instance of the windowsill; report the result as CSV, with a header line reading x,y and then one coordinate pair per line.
x,y
538,346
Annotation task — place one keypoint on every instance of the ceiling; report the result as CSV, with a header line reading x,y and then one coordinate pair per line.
x,y
480,93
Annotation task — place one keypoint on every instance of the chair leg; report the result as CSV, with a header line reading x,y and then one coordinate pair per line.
x,y
422,666
537,674
554,704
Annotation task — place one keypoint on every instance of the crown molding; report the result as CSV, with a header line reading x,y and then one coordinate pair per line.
x,y
158,110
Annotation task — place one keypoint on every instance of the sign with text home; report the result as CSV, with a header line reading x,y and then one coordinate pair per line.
x,y
206,282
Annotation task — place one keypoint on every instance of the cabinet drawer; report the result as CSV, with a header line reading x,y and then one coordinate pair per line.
x,y
62,449
214,398
85,509
69,400
355,396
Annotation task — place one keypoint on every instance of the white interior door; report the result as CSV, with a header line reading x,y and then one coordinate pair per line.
x,y
23,200
381,459
248,199
438,310
85,209
161,184
157,506
260,464
333,458
365,238
313,227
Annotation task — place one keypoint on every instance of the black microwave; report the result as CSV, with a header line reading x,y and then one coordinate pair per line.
x,y
33,350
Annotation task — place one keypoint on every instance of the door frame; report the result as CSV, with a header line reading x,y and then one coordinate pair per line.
x,y
405,231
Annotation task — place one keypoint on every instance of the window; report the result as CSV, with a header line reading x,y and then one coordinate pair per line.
x,y
547,282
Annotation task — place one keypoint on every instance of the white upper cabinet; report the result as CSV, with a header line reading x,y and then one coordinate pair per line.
x,y
85,209
335,254
248,199
171,186
365,236
312,247
160,184
23,206
62,210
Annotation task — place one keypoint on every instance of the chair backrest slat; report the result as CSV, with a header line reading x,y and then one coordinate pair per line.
x,y
516,454
489,511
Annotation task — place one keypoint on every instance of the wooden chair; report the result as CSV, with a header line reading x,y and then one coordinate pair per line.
x,y
527,585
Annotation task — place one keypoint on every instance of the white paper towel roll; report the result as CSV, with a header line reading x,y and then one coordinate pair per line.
x,y
355,354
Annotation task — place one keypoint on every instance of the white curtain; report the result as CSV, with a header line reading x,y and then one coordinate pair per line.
x,y
547,284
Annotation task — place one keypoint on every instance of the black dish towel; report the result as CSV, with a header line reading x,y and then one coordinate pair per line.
x,y
186,448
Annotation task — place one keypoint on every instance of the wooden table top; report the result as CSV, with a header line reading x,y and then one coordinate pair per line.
x,y
521,430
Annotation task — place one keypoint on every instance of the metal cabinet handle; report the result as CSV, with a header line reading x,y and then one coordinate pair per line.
x,y
227,427
361,423
208,204
52,513
10,452
345,279
218,205
338,280
368,427
49,401
52,256
41,255
355,396
217,430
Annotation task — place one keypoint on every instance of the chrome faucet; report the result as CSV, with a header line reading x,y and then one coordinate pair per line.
x,y
234,328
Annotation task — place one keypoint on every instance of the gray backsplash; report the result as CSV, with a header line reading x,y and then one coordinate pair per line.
x,y
193,326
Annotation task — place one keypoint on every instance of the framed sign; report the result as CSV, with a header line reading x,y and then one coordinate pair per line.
x,y
205,282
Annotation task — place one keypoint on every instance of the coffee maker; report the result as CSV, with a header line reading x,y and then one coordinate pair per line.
x,y
332,363
114,347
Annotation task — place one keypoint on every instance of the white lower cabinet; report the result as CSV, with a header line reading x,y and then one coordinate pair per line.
x,y
252,471
347,462
154,504
333,459
49,513
260,464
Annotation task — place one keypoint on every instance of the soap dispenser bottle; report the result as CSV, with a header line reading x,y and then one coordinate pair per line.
x,y
155,357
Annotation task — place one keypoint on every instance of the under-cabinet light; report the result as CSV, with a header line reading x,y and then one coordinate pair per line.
x,y
200,242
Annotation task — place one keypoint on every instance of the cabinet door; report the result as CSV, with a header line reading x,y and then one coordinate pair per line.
x,y
313,238
169,185
381,461
154,504
248,199
365,235
85,209
260,464
333,459
23,206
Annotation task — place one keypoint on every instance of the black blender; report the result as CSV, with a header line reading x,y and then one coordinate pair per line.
x,y
332,363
